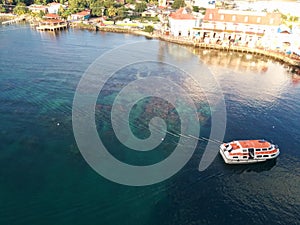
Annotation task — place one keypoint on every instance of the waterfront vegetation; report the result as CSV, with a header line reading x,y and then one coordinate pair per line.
x,y
112,14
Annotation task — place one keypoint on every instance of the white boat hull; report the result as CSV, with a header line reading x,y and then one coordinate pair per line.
x,y
241,161
248,151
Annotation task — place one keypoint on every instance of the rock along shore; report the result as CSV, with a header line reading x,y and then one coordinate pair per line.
x,y
291,60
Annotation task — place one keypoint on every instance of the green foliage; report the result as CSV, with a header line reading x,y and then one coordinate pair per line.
x,y
61,11
130,1
38,2
108,3
112,11
97,9
77,5
289,20
196,8
177,4
20,8
202,10
41,14
121,12
2,9
140,7
66,13
153,2
149,29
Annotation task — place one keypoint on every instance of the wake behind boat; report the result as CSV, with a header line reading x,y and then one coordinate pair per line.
x,y
248,151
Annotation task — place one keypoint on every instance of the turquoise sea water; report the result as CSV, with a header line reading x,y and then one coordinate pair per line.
x,y
45,180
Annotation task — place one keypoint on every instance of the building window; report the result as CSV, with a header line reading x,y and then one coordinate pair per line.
x,y
258,19
210,16
233,18
271,20
222,17
246,19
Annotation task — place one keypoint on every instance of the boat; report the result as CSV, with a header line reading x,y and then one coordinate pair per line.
x,y
248,151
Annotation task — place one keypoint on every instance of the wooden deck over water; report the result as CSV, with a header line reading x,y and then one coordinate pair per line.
x,y
52,27
292,60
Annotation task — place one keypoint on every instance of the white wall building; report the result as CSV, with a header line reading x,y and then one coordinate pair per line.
x,y
182,22
54,7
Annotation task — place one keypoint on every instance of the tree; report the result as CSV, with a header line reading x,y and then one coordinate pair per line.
x,y
149,29
153,2
196,8
140,7
41,14
130,1
121,12
20,8
77,5
2,9
97,9
38,2
108,3
177,4
66,13
112,11
61,11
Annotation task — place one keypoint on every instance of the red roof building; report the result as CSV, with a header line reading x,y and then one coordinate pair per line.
x,y
242,25
83,15
182,14
51,16
182,22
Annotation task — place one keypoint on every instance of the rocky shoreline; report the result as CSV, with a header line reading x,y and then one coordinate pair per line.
x,y
291,60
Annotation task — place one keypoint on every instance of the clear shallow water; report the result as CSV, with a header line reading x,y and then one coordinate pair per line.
x,y
45,180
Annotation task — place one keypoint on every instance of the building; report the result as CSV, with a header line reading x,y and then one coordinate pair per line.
x,y
182,22
83,15
149,13
38,8
54,7
245,27
51,22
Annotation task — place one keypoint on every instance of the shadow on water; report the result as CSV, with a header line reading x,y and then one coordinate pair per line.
x,y
256,167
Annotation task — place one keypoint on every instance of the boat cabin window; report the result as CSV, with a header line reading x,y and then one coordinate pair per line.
x,y
264,149
265,156
259,156
273,155
235,157
251,149
245,157
258,149
270,148
244,150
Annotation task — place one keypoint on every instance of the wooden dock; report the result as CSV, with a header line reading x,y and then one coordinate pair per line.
x,y
51,28
15,20
277,55
52,25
